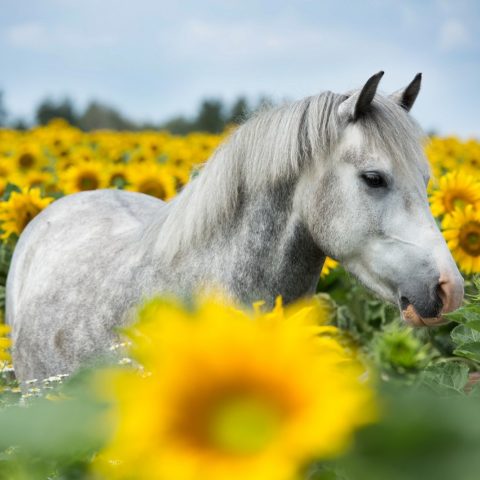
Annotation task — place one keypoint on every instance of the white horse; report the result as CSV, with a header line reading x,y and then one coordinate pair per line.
x,y
332,174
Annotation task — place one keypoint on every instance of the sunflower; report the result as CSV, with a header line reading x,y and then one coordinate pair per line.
x,y
83,176
34,179
329,265
5,343
118,175
471,162
152,179
228,395
141,155
6,168
461,229
455,189
29,156
19,209
3,186
444,154
153,142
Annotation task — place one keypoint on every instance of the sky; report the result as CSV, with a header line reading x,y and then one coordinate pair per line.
x,y
154,59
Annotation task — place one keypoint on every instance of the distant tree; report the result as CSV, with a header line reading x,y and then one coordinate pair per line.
x,y
19,124
49,109
100,116
179,125
263,103
239,111
211,117
3,112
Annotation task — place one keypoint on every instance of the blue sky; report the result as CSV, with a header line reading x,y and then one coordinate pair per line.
x,y
153,59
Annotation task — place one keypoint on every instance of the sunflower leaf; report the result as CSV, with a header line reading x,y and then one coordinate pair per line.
x,y
468,314
469,350
11,187
463,334
446,377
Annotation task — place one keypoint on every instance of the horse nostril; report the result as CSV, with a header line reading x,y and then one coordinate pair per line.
x,y
439,297
404,302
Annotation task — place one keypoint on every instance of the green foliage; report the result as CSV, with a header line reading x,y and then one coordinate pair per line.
x,y
53,435
445,378
466,336
398,350
358,311
421,436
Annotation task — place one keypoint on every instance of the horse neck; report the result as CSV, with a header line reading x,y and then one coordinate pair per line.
x,y
277,254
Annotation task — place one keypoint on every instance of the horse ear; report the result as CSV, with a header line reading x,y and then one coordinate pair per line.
x,y
359,103
406,97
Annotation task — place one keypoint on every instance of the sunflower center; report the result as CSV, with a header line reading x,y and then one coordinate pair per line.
x,y
243,425
153,188
26,160
118,180
454,200
458,202
470,238
88,181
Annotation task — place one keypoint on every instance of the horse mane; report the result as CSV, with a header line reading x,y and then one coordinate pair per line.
x,y
273,145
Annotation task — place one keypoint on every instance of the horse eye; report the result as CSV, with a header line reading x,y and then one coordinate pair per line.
x,y
374,179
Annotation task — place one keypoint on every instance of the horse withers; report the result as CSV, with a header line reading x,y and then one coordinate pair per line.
x,y
342,175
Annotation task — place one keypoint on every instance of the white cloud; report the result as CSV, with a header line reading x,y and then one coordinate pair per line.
x,y
35,36
27,35
251,40
453,35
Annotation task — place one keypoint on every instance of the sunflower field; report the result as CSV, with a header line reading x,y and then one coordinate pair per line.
x,y
333,388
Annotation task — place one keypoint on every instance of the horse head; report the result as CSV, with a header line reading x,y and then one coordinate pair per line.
x,y
366,205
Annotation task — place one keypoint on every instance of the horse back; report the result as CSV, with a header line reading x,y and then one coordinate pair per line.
x,y
73,264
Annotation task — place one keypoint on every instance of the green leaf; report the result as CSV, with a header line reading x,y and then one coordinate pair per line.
x,y
463,334
469,350
474,325
9,189
446,377
468,314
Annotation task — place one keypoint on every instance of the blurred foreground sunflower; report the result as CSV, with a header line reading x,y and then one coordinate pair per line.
x,y
228,395
19,209
455,189
461,229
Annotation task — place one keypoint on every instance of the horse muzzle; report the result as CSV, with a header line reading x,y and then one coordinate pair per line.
x,y
428,312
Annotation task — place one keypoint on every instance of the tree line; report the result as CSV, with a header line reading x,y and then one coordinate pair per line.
x,y
212,115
